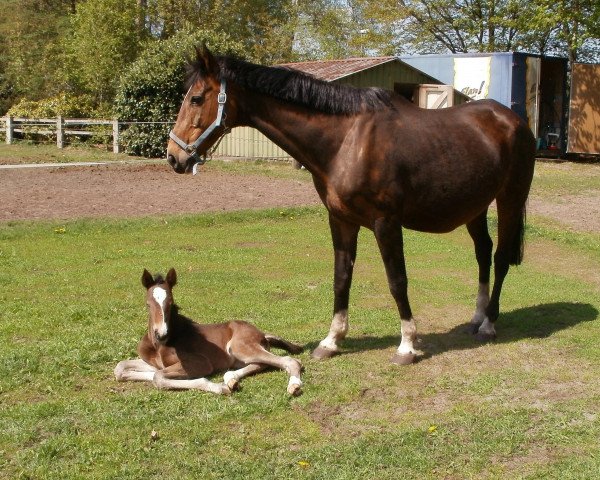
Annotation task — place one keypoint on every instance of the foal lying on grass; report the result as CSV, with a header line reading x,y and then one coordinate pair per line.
x,y
177,353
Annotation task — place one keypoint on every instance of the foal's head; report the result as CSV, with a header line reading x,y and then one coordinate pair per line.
x,y
160,302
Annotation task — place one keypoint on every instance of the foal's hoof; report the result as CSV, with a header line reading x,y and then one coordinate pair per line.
x,y
321,353
403,358
233,384
225,390
485,337
231,381
294,389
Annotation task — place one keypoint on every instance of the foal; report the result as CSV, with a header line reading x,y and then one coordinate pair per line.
x,y
177,353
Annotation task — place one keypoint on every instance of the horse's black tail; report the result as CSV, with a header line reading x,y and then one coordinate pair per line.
x,y
517,249
278,342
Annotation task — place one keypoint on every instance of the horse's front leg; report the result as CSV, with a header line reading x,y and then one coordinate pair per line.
x,y
344,236
388,233
134,370
175,377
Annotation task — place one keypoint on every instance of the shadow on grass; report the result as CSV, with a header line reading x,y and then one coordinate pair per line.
x,y
539,321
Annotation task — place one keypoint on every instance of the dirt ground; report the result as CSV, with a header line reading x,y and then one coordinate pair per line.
x,y
133,190
118,190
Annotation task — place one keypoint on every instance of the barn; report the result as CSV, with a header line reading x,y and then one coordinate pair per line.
x,y
389,73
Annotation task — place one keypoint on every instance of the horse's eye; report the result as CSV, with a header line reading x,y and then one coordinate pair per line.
x,y
197,100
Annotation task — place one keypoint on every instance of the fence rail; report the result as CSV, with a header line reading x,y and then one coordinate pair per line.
x,y
243,142
56,127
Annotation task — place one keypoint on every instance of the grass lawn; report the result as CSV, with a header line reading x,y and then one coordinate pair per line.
x,y
72,306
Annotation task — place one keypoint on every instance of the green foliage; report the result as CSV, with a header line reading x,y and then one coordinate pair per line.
x,y
30,55
104,40
151,90
63,104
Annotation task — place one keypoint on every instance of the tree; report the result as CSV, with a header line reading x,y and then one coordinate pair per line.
x,y
262,26
103,41
30,31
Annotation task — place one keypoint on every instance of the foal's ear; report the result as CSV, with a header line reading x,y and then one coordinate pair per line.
x,y
147,280
172,277
206,60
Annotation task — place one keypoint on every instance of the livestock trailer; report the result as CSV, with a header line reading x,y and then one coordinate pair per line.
x,y
533,86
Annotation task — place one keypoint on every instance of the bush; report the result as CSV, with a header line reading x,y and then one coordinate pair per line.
x,y
151,90
64,105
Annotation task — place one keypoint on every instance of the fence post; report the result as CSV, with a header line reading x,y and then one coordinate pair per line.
x,y
60,133
115,129
9,130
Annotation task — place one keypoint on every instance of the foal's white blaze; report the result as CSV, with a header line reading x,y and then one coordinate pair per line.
x,y
160,295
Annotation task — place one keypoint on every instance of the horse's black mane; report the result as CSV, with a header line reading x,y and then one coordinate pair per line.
x,y
293,86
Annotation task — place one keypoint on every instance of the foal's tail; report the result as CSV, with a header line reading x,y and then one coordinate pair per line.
x,y
517,248
278,342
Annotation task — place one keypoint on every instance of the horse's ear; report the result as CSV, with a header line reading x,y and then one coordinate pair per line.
x,y
206,60
147,280
172,277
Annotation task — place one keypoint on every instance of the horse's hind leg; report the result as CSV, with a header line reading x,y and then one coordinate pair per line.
x,y
478,229
388,233
511,225
257,354
232,377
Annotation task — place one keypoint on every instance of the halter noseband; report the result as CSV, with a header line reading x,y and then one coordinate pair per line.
x,y
192,148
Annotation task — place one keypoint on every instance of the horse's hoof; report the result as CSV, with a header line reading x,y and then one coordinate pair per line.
x,y
233,384
321,353
294,389
225,390
403,358
485,337
473,328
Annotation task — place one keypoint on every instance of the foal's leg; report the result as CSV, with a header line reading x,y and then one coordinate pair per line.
x,y
233,377
478,229
257,354
175,378
344,236
134,370
388,233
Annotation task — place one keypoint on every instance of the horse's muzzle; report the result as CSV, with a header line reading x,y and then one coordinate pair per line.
x,y
160,339
180,167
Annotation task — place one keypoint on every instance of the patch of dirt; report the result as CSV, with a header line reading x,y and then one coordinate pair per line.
x,y
134,190
126,190
578,212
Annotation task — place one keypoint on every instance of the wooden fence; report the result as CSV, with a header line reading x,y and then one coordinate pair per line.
x,y
241,142
60,127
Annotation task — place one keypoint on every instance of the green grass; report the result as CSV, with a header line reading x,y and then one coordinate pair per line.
x,y
557,179
72,306
21,152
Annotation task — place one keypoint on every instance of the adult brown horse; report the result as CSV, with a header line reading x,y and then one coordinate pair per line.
x,y
379,162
